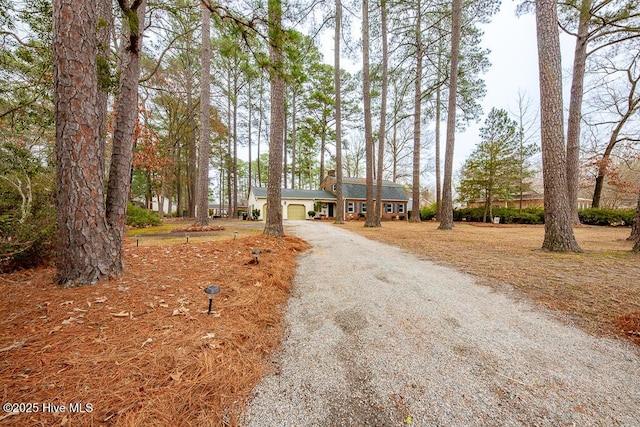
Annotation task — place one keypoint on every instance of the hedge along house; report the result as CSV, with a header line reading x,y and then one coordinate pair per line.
x,y
295,203
354,192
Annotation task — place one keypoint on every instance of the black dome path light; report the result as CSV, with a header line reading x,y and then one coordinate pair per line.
x,y
211,290
256,253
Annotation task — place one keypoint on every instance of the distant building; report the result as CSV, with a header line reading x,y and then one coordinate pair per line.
x,y
530,199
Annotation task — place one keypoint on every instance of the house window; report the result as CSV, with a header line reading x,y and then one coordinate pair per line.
x,y
363,207
388,208
334,187
351,208
400,207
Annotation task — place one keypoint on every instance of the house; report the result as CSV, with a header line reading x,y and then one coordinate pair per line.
x,y
297,203
354,192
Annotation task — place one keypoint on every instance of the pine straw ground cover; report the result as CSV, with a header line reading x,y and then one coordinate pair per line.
x,y
141,349
599,289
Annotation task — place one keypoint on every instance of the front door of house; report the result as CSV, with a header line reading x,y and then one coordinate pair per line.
x,y
331,205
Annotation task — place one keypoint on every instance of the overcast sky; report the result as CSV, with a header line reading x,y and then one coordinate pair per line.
x,y
514,68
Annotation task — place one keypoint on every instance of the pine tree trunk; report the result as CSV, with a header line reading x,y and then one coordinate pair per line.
x,y
192,157
336,86
437,141
293,139
558,234
383,113
417,115
368,129
105,78
635,229
205,133
273,226
126,116
446,221
249,135
85,249
575,110
233,208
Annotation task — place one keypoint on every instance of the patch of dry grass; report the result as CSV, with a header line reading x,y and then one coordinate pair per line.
x,y
600,288
141,348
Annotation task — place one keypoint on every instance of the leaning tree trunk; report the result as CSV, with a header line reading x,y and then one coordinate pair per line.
x,y
85,250
123,134
417,115
558,233
336,86
273,226
205,134
575,110
446,222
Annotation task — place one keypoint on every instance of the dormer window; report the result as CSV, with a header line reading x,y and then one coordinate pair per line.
x,y
334,187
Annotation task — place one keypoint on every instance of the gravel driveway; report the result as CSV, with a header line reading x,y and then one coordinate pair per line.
x,y
377,336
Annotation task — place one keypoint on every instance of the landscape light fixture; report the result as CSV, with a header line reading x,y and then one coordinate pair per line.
x,y
235,235
255,253
137,236
211,290
187,236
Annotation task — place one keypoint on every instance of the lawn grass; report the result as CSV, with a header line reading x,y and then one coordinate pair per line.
x,y
167,233
598,288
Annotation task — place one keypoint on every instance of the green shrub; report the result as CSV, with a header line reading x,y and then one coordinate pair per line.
x,y
27,226
28,244
427,213
507,215
139,217
604,216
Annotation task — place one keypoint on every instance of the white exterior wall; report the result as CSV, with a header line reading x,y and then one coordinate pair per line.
x,y
259,202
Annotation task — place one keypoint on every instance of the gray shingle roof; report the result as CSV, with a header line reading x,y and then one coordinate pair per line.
x,y
288,193
352,188
390,191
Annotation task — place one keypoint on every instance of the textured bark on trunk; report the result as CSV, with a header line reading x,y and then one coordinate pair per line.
x,y
85,249
368,129
273,226
446,220
338,106
233,208
383,113
105,79
417,114
437,138
205,134
123,134
558,234
575,110
635,229
191,166
603,165
293,138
